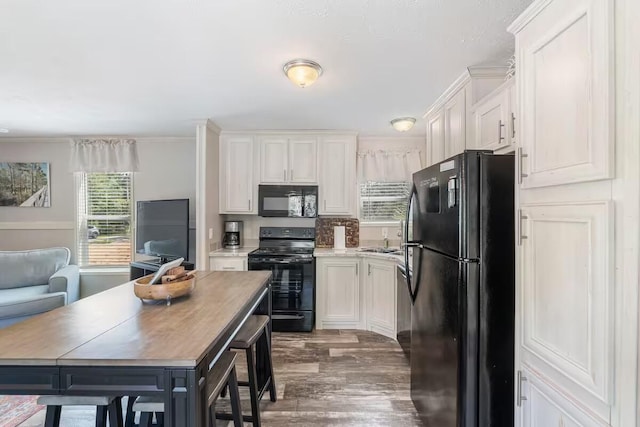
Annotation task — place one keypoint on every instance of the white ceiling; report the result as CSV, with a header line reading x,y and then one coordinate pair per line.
x,y
154,67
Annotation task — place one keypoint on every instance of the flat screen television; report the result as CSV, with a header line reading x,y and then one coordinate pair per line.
x,y
162,228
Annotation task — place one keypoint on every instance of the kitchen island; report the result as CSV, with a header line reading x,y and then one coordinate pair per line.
x,y
114,344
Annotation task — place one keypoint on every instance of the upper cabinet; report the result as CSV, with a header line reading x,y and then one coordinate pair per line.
x,y
493,120
337,175
288,159
565,92
449,120
237,186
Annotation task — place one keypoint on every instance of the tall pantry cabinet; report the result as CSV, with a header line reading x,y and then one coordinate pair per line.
x,y
565,349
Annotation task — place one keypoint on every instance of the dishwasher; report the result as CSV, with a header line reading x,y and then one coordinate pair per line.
x,y
403,325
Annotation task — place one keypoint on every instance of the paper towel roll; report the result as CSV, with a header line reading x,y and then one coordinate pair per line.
x,y
339,237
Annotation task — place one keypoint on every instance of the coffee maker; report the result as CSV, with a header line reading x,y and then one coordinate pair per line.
x,y
232,238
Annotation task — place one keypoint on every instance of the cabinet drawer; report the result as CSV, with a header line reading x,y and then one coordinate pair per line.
x,y
228,264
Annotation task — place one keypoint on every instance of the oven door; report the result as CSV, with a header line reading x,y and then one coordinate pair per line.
x,y
292,292
292,283
294,201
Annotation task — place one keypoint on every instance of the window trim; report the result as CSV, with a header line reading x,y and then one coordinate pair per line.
x,y
102,268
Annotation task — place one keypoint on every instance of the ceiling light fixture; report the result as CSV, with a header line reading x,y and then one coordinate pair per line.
x,y
3,130
302,72
403,124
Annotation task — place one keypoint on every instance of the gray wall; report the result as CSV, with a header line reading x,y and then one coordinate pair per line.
x,y
167,171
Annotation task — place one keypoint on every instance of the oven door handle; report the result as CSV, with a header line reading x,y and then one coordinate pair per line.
x,y
287,316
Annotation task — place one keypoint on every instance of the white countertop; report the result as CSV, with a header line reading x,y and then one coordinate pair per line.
x,y
354,252
244,251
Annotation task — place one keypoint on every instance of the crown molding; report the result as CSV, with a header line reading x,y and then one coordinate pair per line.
x,y
525,17
290,132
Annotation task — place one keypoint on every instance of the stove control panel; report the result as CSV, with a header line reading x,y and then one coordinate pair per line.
x,y
287,233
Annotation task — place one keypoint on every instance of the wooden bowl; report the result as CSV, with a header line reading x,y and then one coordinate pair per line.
x,y
167,291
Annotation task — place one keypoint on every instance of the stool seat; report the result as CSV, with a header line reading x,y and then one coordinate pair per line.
x,y
75,400
218,375
250,332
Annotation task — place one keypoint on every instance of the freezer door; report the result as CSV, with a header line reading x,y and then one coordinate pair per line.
x,y
444,342
447,205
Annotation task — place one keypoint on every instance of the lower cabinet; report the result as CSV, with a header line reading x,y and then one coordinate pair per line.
x,y
356,293
380,295
338,304
234,263
544,406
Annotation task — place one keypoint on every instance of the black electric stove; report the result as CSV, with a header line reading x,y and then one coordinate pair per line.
x,y
288,253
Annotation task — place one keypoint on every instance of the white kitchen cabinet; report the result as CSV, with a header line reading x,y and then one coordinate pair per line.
x,y
237,186
288,160
227,263
337,175
380,294
491,122
455,111
303,160
565,274
435,138
338,293
449,121
273,160
545,407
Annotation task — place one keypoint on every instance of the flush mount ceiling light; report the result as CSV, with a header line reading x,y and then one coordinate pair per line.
x,y
302,72
403,124
3,130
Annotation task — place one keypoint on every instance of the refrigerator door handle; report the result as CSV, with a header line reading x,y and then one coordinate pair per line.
x,y
410,244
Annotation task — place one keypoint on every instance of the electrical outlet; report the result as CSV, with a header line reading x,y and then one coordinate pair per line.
x,y
210,233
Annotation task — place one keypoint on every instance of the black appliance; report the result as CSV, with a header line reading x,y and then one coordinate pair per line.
x,y
162,228
288,253
403,310
463,291
294,201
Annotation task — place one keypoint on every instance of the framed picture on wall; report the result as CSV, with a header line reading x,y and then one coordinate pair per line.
x,y
25,185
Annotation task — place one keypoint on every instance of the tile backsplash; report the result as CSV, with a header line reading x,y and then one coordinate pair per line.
x,y
324,232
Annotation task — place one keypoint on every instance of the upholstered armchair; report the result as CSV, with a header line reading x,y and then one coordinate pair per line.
x,y
35,281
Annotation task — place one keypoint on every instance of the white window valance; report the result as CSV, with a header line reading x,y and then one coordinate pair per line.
x,y
388,166
104,155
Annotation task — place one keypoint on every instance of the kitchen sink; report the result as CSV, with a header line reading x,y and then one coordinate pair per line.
x,y
390,251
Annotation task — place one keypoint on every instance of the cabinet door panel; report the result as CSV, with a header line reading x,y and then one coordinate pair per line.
x,y
455,112
381,293
341,291
545,407
491,123
435,138
337,175
567,297
566,82
237,179
303,160
274,168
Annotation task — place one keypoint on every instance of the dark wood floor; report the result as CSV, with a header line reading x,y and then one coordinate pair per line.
x,y
325,378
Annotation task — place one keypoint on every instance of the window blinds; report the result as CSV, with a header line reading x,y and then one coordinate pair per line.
x,y
383,201
104,220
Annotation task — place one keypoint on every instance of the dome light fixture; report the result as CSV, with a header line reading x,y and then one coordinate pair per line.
x,y
302,72
403,124
4,130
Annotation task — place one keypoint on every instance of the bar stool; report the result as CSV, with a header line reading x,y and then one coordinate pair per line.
x,y
222,373
105,404
254,329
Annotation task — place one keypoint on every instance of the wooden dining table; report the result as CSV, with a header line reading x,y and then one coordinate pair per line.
x,y
114,344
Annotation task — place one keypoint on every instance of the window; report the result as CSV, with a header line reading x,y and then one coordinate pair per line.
x,y
104,219
383,201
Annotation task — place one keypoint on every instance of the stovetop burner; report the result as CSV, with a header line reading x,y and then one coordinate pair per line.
x,y
282,251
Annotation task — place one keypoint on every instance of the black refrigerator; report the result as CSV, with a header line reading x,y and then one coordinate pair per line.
x,y
463,291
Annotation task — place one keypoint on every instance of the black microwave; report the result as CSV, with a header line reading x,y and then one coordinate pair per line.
x,y
293,201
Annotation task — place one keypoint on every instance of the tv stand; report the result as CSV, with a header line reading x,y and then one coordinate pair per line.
x,y
142,268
